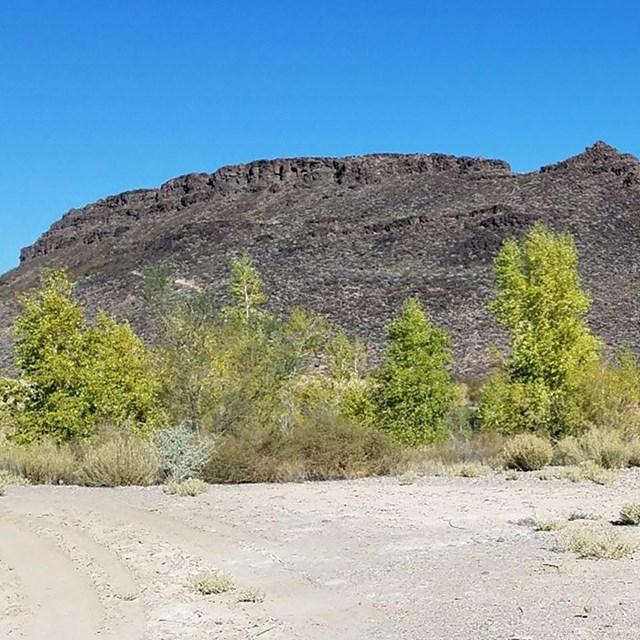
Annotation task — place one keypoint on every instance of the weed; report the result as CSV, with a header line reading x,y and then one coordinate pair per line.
x,y
211,583
548,525
630,514
592,471
407,478
187,488
42,462
588,542
581,515
251,595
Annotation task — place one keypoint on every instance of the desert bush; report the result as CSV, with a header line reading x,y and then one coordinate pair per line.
x,y
407,478
413,391
482,447
182,452
3,486
633,447
596,543
583,515
630,514
606,448
527,452
116,459
320,446
211,583
468,470
43,462
568,451
191,487
592,471
548,525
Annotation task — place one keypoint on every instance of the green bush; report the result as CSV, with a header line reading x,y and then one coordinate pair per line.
x,y
527,452
191,487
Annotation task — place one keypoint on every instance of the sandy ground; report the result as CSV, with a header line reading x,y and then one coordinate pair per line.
x,y
443,558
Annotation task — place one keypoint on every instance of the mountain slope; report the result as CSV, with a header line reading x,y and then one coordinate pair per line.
x,y
352,237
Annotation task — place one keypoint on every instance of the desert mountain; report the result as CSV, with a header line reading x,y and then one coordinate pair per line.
x,y
352,237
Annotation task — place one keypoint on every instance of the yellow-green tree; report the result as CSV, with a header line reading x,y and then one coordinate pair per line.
x,y
73,376
542,305
413,391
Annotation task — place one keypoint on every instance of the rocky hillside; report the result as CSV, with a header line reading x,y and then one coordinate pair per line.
x,y
352,237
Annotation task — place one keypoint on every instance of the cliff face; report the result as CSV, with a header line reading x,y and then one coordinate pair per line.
x,y
352,237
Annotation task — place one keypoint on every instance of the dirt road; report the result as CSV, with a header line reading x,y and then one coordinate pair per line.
x,y
370,559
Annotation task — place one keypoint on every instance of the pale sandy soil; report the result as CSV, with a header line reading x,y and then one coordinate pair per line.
x,y
369,559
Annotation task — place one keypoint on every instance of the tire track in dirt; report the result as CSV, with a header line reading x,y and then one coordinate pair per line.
x,y
60,602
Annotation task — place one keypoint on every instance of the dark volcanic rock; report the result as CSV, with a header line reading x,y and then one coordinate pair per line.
x,y
352,237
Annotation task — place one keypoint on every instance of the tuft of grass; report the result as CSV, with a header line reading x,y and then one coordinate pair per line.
x,y
527,452
634,452
548,525
469,470
211,583
3,486
191,487
630,514
251,595
596,474
599,544
407,478
582,515
511,474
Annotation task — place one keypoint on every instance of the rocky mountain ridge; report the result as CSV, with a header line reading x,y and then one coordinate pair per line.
x,y
352,237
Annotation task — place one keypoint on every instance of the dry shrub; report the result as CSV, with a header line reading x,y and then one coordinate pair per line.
x,y
116,459
597,543
605,447
568,452
323,447
596,474
630,514
42,462
633,447
483,447
251,595
527,452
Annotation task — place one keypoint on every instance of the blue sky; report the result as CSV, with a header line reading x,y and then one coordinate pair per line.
x,y
97,97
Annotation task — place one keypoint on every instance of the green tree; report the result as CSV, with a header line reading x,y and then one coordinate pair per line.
x,y
543,307
413,391
72,376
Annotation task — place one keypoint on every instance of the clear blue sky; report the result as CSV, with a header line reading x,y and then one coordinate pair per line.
x,y
100,96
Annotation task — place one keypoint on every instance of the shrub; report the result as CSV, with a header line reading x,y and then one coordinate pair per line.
x,y
412,390
527,452
589,542
630,514
469,470
568,451
590,470
407,478
211,583
118,459
183,453
548,525
191,487
634,452
606,448
42,462
3,486
320,446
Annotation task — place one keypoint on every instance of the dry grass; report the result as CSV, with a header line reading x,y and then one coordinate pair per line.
x,y
605,447
251,595
40,462
407,478
630,514
191,487
597,543
211,583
